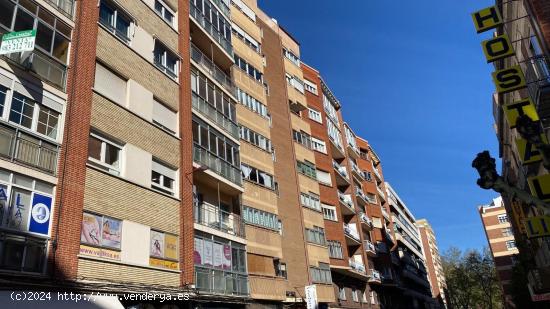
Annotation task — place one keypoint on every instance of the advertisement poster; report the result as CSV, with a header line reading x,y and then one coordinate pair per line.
x,y
198,253
207,253
170,247
99,252
3,203
19,209
218,254
163,263
157,244
111,232
91,229
40,214
226,257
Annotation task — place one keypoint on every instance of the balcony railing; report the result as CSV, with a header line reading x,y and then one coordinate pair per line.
x,y
371,199
351,232
356,169
41,64
213,114
220,282
365,219
376,173
360,194
346,200
209,28
66,7
217,165
374,275
385,213
28,150
340,169
369,246
212,216
357,266
215,72
223,7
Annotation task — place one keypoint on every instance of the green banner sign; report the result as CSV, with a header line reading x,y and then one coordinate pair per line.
x,y
15,42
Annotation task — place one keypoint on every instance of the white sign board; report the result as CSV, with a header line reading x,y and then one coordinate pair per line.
x,y
15,42
311,297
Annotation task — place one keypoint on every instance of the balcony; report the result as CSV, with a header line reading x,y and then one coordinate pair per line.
x,y
66,7
212,216
210,112
220,282
225,46
342,177
44,66
352,236
374,276
346,201
356,171
215,72
217,165
361,197
371,198
223,8
357,266
381,193
29,150
370,249
364,218
337,151
385,213
353,151
376,173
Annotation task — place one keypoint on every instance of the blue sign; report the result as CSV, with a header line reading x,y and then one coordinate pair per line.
x,y
40,214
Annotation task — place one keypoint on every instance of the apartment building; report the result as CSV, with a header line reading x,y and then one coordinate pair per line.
x,y
502,243
436,275
526,24
410,268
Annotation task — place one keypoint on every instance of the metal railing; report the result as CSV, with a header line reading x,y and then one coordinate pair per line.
x,y
369,246
220,282
355,168
66,7
346,200
221,220
374,275
28,150
360,194
352,232
207,26
357,266
365,219
340,169
43,65
370,199
217,165
376,172
203,107
223,7
381,193
215,72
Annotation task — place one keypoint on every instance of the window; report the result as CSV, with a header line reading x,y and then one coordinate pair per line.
x,y
251,103
246,38
115,21
257,176
330,109
48,121
318,145
507,232
302,138
215,143
104,154
164,117
209,96
101,231
324,178
367,175
22,110
341,293
290,56
307,168
163,177
165,60
502,218
335,249
316,235
261,218
280,268
3,94
334,133
295,82
310,200
164,12
355,295
321,274
255,139
22,253
329,212
309,86
510,244
315,115
249,69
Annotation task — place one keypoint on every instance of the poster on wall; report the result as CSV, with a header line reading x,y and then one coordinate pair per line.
x,y
170,247
198,253
40,214
91,229
157,244
226,257
218,255
111,232
3,203
19,209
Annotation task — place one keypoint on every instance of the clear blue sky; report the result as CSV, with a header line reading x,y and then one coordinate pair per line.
x,y
413,80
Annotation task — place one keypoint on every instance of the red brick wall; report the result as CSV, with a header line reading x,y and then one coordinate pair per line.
x,y
74,150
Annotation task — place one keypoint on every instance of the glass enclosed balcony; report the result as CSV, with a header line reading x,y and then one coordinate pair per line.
x,y
212,216
217,165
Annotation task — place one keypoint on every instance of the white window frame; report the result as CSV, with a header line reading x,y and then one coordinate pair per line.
x,y
159,186
315,115
311,87
502,218
104,141
511,244
318,145
165,8
329,212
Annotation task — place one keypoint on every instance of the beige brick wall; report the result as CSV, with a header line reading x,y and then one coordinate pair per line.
x,y
99,270
130,65
263,242
112,196
121,124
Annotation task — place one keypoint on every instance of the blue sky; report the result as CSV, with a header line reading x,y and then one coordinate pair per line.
x,y
413,80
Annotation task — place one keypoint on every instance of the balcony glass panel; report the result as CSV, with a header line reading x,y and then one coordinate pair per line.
x,y
214,217
212,22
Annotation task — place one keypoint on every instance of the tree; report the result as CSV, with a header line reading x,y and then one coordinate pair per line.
x,y
471,279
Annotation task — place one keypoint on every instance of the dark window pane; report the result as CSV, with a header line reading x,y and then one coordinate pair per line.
x,y
122,25
106,15
167,182
111,155
155,177
23,21
47,17
60,48
6,13
44,36
94,148
34,258
13,255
